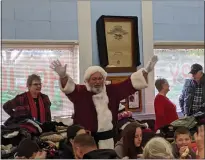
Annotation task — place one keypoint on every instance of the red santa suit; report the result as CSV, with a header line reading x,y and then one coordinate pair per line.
x,y
99,112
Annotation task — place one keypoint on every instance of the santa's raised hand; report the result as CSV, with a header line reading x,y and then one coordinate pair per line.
x,y
151,64
58,68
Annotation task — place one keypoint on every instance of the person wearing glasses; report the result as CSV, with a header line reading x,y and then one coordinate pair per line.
x,y
29,105
165,110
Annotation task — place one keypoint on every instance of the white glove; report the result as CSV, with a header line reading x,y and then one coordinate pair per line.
x,y
58,68
150,65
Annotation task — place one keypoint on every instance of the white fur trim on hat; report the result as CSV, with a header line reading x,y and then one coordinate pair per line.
x,y
93,69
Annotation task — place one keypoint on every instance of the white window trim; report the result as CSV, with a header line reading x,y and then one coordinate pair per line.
x,y
84,36
37,43
178,45
147,31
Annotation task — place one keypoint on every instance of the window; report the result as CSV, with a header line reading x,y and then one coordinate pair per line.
x,y
19,61
174,64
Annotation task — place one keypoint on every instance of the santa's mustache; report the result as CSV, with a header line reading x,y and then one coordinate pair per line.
x,y
98,86
97,89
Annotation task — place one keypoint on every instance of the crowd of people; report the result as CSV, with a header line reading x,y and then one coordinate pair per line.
x,y
100,130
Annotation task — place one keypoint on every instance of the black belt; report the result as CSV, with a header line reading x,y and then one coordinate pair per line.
x,y
102,135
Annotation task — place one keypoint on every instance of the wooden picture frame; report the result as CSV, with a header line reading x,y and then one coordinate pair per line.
x,y
118,43
137,96
135,105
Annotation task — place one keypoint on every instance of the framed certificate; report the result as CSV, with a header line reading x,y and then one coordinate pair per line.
x,y
133,102
118,43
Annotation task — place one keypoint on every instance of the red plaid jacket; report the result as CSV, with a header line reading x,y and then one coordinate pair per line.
x,y
19,107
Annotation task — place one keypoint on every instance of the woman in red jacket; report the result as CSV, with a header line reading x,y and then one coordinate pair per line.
x,y
165,110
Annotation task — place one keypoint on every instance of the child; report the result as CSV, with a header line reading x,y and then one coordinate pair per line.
x,y
181,146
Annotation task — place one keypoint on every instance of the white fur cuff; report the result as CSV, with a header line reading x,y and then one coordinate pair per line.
x,y
69,87
138,80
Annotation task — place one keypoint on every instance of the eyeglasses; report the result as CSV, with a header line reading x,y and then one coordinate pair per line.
x,y
37,84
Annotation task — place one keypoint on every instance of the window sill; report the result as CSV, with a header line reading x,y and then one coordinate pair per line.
x,y
144,116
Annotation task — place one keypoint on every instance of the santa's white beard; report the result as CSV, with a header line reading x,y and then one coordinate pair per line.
x,y
96,89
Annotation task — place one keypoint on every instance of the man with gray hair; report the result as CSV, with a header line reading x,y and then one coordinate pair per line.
x,y
192,99
95,103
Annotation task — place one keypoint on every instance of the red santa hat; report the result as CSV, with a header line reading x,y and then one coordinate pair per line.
x,y
93,69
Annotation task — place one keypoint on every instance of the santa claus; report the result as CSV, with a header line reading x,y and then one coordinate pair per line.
x,y
95,103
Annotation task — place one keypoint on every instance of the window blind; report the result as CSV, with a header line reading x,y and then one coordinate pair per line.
x,y
20,61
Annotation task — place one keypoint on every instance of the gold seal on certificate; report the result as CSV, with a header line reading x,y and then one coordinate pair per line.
x,y
118,43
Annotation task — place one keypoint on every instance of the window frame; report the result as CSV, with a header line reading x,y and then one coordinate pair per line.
x,y
40,44
178,45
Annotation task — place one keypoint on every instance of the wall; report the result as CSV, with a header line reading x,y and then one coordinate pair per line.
x,y
115,8
181,20
40,19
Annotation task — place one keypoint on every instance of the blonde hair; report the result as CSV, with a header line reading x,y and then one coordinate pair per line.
x,y
158,148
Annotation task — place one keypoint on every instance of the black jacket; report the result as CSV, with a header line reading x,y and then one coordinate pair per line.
x,y
66,151
101,154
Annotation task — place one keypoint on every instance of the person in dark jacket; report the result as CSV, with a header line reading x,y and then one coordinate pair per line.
x,y
29,105
66,146
192,99
85,147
